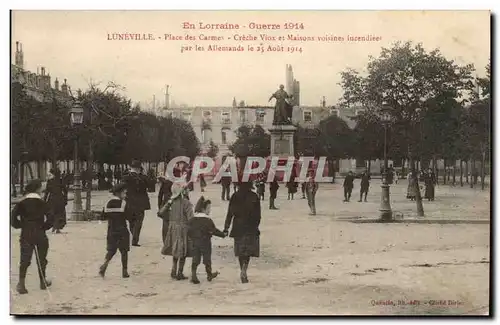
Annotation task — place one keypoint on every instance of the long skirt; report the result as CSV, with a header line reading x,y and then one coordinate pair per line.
x,y
247,245
177,243
429,191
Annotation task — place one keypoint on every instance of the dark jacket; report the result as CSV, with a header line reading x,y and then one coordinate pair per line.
x,y
202,228
118,236
225,180
137,192
55,196
365,181
165,192
349,181
244,213
32,216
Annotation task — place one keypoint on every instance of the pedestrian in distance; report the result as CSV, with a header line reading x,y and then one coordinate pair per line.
x,y
365,185
34,218
273,193
201,230
118,236
348,186
311,190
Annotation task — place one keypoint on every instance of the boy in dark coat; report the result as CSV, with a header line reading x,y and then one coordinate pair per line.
x,y
32,216
118,236
201,229
348,186
365,185
273,191
137,199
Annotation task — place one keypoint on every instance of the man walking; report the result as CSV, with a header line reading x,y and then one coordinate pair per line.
x,y
225,182
311,189
273,191
137,199
365,185
348,186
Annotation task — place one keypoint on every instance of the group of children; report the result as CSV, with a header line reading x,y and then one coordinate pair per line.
x,y
33,217
201,229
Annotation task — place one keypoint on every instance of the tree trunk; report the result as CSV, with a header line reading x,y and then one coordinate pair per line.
x,y
445,172
472,172
461,173
30,170
90,167
483,170
454,172
39,169
21,177
369,166
418,197
467,171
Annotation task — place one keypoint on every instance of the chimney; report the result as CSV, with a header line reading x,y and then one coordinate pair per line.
x,y
56,84
43,71
17,46
64,81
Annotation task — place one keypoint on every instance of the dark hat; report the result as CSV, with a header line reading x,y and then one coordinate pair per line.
x,y
33,186
136,164
118,188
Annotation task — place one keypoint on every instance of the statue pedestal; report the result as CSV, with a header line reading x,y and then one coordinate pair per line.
x,y
282,140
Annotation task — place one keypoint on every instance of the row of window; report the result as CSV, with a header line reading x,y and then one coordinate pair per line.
x,y
307,115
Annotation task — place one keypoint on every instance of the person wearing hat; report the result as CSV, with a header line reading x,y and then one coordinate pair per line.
x,y
348,186
118,236
179,211
244,214
273,193
163,196
56,200
137,199
34,218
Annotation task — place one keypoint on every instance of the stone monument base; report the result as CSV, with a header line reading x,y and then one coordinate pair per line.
x,y
282,144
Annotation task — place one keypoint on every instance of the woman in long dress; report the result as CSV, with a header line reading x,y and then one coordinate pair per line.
x,y
244,214
177,245
411,191
56,200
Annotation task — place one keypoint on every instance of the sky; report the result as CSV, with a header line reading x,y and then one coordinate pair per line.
x,y
74,45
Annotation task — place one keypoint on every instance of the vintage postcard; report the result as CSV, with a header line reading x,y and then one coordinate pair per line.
x,y
250,163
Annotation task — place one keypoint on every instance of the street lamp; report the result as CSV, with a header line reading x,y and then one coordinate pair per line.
x,y
76,120
385,203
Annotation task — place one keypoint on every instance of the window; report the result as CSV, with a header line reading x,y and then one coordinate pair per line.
x,y
243,116
205,138
226,117
307,115
207,115
259,116
334,112
223,136
186,116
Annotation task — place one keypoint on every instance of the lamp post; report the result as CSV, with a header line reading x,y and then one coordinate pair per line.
x,y
76,121
385,203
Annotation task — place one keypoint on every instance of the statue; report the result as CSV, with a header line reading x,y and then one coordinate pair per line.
x,y
282,109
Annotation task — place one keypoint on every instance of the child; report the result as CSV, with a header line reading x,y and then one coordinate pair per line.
x,y
34,221
201,229
118,236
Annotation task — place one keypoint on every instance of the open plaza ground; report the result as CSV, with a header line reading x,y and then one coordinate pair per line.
x,y
327,264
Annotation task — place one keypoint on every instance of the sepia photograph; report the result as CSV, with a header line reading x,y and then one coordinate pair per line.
x,y
250,162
